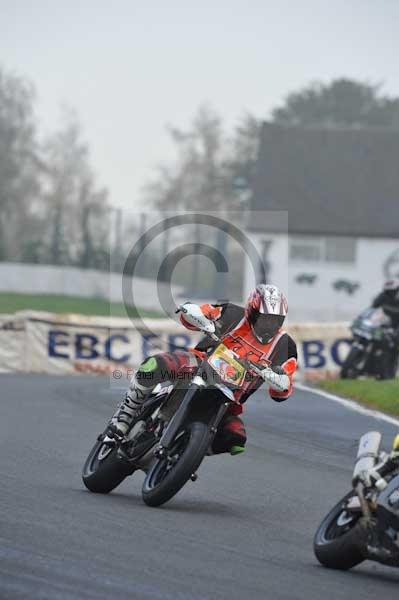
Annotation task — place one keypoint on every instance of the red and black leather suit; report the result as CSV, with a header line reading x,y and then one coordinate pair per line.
x,y
237,334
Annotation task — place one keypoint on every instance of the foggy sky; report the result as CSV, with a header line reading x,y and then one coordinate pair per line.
x,y
130,67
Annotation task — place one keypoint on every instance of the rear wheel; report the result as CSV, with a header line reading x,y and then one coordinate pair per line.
x,y
386,366
339,541
104,470
167,475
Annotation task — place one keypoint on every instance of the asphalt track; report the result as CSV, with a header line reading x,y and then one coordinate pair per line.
x,y
243,531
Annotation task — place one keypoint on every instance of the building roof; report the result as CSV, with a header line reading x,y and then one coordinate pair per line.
x,y
330,181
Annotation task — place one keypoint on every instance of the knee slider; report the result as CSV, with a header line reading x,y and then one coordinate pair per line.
x,y
146,374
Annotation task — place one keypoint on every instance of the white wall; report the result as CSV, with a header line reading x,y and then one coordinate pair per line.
x,y
71,281
320,301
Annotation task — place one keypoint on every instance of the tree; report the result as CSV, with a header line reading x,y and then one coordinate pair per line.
x,y
77,209
341,103
19,172
197,177
51,208
212,172
243,155
93,224
210,169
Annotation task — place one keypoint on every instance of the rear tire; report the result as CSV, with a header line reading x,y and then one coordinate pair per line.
x,y
339,539
161,485
387,365
103,476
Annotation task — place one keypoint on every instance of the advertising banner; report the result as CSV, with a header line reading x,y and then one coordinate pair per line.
x,y
60,344
12,344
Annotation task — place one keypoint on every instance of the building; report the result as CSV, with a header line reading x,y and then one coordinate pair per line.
x,y
325,217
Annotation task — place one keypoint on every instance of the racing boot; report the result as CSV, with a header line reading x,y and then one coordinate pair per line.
x,y
128,410
235,450
230,437
141,385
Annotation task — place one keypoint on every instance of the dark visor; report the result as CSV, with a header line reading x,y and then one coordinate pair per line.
x,y
266,326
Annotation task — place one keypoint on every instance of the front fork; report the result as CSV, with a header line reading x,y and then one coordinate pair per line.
x,y
364,505
178,418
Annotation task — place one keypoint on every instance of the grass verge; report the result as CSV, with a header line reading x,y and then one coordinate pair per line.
x,y
380,395
10,303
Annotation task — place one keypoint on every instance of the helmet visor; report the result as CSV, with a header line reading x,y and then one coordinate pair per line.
x,y
265,326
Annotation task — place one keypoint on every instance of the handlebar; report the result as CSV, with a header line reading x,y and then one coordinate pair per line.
x,y
376,475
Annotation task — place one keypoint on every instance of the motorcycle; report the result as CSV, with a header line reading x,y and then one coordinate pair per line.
x,y
176,425
373,349
364,525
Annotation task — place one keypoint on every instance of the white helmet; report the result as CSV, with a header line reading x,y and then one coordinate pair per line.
x,y
266,309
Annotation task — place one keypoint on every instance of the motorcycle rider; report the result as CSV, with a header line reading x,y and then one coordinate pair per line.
x,y
259,326
388,300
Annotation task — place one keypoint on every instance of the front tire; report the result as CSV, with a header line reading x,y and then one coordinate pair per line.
x,y
349,369
102,475
164,481
339,539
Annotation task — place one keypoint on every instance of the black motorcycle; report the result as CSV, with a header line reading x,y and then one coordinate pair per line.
x,y
374,347
364,525
175,428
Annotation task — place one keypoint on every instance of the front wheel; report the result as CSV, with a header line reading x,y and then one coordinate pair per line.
x,y
168,474
350,369
104,470
339,540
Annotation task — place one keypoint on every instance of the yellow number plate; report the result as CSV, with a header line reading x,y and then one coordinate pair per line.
x,y
227,367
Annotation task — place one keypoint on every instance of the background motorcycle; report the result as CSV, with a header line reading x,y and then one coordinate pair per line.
x,y
175,427
365,523
373,350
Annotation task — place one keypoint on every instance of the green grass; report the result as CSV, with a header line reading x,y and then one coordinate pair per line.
x,y
381,395
10,303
